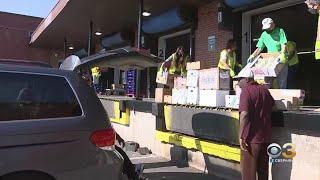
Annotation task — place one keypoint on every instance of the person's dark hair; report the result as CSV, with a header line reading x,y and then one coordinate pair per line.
x,y
180,57
230,44
179,48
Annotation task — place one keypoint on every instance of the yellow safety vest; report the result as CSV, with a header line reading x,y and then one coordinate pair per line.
x,y
292,52
95,71
181,69
317,48
231,61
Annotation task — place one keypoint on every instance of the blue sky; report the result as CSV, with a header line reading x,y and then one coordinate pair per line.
x,y
37,8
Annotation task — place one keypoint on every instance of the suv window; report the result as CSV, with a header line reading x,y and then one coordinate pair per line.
x,y
32,96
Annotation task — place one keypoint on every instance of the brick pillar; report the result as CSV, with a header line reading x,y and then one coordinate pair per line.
x,y
208,26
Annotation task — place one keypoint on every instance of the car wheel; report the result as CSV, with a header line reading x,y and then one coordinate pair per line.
x,y
31,175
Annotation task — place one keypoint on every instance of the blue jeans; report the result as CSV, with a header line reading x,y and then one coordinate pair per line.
x,y
96,87
282,77
292,76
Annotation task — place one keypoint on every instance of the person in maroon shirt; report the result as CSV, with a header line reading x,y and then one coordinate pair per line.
x,y
256,106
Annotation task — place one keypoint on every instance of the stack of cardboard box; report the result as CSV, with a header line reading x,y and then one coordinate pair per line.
x,y
288,99
233,101
193,86
266,69
210,87
193,74
214,85
164,94
179,92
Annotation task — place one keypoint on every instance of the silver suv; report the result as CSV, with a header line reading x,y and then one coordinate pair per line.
x,y
53,127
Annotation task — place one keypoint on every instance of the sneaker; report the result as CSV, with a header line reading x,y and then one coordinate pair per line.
x,y
139,169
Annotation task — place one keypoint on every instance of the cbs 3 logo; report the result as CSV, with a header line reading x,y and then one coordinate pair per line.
x,y
288,150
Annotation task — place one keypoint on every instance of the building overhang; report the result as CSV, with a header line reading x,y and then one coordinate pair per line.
x,y
70,19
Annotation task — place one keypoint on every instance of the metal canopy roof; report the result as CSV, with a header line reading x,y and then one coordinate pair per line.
x,y
70,19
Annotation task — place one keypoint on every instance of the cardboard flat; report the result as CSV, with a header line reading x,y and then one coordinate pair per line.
x,y
266,64
198,65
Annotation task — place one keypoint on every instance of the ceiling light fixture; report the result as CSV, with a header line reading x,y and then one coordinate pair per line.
x,y
71,47
146,13
98,33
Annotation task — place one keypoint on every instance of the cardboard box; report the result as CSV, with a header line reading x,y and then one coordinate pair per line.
x,y
193,96
288,105
279,94
198,65
180,82
214,79
232,101
213,98
160,93
268,65
179,96
235,84
165,79
193,78
167,99
117,86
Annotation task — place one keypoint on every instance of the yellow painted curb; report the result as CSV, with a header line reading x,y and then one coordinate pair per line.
x,y
235,115
122,118
167,117
207,147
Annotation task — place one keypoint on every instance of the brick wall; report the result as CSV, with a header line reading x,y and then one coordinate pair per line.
x,y
208,26
15,31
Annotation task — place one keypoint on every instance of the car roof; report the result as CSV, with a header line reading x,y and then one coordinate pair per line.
x,y
24,62
34,69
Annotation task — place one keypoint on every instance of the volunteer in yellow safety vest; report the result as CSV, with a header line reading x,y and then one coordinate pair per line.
x,y
275,40
314,8
176,63
95,72
228,58
293,61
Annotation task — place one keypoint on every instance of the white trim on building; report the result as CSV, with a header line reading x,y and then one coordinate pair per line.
x,y
162,42
246,23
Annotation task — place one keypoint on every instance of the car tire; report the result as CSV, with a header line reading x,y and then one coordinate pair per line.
x,y
27,176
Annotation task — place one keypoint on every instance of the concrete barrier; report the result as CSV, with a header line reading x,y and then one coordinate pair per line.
x,y
305,165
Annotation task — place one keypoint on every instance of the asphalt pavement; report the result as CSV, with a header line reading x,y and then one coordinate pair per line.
x,y
157,168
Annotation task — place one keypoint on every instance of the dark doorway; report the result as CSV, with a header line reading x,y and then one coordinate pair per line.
x,y
300,27
107,78
174,42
